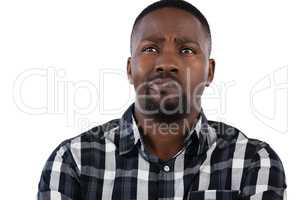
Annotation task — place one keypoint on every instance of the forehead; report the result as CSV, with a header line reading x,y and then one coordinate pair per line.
x,y
169,21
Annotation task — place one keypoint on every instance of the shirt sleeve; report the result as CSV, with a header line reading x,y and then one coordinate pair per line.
x,y
60,176
265,177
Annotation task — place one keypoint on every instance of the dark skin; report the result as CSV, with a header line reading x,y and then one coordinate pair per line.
x,y
161,44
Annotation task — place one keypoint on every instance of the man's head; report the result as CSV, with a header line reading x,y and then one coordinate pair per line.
x,y
169,64
179,4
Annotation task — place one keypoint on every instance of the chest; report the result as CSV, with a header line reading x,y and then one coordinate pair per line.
x,y
136,178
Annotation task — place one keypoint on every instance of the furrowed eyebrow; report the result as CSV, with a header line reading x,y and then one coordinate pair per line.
x,y
181,40
153,39
184,40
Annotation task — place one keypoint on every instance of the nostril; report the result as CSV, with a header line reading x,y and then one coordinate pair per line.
x,y
173,70
159,69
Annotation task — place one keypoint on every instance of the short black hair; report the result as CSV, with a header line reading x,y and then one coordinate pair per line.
x,y
180,4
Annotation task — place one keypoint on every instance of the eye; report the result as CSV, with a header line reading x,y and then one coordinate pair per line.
x,y
150,50
187,51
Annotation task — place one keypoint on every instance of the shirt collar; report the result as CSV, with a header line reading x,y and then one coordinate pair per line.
x,y
130,134
127,139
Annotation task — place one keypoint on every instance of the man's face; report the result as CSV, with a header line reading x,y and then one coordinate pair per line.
x,y
169,65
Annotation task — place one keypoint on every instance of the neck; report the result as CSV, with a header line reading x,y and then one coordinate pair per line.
x,y
165,139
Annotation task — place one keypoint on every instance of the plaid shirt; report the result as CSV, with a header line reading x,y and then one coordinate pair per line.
x,y
110,162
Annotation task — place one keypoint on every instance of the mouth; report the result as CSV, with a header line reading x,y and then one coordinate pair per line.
x,y
163,82
164,85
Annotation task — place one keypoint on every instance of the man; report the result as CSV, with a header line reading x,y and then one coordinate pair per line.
x,y
163,147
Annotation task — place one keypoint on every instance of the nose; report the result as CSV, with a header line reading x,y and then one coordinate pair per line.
x,y
165,68
166,63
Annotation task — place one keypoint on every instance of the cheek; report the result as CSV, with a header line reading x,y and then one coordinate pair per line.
x,y
195,71
141,68
195,78
142,64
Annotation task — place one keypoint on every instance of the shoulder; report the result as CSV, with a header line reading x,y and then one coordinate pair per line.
x,y
231,137
258,163
87,145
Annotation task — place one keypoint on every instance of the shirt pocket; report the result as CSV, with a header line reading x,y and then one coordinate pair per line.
x,y
214,195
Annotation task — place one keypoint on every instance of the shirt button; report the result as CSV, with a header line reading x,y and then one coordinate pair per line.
x,y
166,168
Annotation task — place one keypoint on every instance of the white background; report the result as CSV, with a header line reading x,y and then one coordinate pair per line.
x,y
63,71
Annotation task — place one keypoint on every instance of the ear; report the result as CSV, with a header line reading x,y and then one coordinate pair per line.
x,y
211,71
129,75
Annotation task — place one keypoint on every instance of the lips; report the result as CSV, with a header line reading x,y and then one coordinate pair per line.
x,y
163,81
164,84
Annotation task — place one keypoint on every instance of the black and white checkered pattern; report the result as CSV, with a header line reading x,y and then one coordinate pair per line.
x,y
110,162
